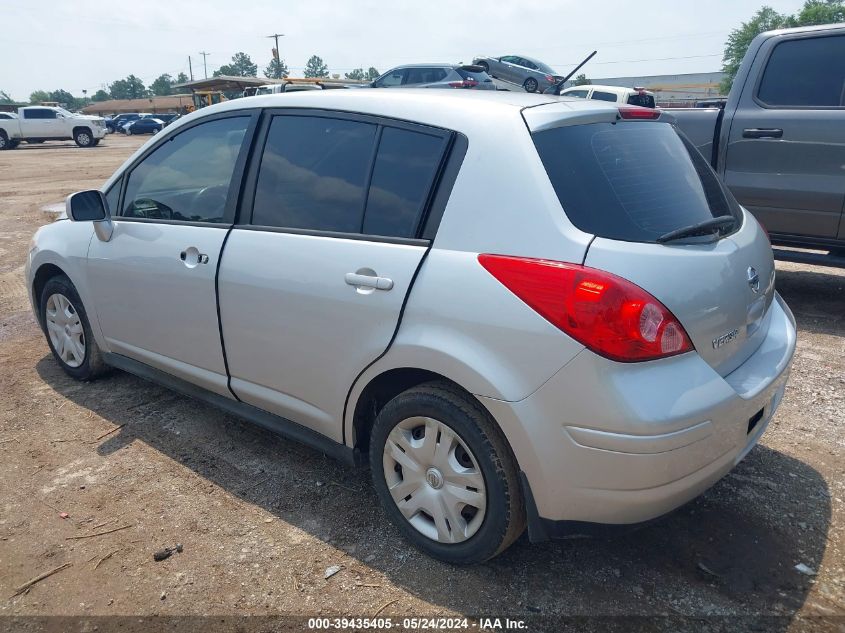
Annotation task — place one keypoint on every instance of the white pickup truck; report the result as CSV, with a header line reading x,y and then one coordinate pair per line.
x,y
36,124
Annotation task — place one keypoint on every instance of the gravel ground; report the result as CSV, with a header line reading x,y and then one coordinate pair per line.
x,y
138,468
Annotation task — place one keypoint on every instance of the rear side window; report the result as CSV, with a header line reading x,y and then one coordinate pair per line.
x,y
630,181
313,174
598,95
404,172
39,113
477,76
643,100
425,75
805,73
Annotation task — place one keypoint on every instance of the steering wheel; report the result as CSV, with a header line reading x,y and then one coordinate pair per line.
x,y
209,203
151,209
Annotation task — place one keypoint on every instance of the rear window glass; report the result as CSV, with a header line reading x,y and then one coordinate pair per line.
x,y
642,100
631,181
478,76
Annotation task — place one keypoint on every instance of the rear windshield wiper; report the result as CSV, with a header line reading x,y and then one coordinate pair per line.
x,y
707,227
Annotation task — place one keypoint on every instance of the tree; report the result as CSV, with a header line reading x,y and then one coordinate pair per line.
x,y
162,86
5,98
181,78
101,95
130,88
39,95
65,98
241,66
581,80
372,73
276,69
766,19
357,74
316,67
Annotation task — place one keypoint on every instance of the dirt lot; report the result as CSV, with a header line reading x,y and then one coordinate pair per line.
x,y
261,518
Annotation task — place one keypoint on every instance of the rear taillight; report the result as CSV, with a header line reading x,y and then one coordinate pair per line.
x,y
466,83
550,79
608,314
639,113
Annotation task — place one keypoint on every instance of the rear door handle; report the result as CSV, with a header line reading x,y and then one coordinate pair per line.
x,y
762,132
368,281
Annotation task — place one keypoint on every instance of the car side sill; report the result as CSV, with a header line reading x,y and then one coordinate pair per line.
x,y
276,424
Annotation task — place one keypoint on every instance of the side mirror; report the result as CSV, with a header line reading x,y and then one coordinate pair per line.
x,y
91,206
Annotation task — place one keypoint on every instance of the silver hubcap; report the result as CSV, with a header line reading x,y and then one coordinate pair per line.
x,y
434,480
84,139
65,330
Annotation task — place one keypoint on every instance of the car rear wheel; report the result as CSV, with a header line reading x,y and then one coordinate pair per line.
x,y
4,141
446,475
485,67
530,85
68,331
83,138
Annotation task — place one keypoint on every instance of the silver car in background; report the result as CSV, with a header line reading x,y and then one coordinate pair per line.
x,y
564,324
532,74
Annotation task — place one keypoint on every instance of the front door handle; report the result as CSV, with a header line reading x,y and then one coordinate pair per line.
x,y
368,281
762,132
191,256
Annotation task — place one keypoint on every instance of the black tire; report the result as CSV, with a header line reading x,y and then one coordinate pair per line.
x,y
13,144
83,137
92,364
4,141
530,85
96,142
485,67
504,518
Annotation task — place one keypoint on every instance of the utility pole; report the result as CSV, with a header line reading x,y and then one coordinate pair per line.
x,y
204,67
276,37
190,68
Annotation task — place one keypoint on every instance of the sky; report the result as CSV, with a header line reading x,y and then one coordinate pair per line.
x,y
86,44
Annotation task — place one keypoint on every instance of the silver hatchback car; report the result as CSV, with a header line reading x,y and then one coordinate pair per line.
x,y
519,310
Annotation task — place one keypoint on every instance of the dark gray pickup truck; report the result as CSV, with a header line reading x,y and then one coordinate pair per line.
x,y
779,142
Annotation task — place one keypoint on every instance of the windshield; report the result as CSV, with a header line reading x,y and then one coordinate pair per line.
x,y
631,181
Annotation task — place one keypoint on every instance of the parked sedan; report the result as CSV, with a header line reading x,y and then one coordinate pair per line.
x,y
116,123
144,125
533,75
566,322
435,76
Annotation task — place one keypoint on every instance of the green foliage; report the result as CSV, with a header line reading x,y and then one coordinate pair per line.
x,y
766,19
241,66
581,80
162,86
130,88
101,95
316,67
5,98
357,74
38,96
181,78
372,73
276,69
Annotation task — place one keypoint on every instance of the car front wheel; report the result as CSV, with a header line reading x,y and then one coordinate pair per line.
x,y
446,475
68,331
83,138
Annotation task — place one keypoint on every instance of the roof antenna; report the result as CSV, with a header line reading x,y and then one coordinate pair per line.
x,y
559,85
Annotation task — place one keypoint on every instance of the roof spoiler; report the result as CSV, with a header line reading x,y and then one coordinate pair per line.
x,y
559,85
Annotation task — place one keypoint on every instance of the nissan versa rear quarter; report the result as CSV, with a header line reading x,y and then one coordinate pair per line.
x,y
517,309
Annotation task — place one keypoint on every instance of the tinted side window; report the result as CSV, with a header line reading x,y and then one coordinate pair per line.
x,y
313,174
113,197
603,96
405,168
581,94
187,177
393,78
805,72
39,113
425,75
642,100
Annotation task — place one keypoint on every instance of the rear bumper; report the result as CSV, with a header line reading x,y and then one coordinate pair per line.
x,y
613,443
